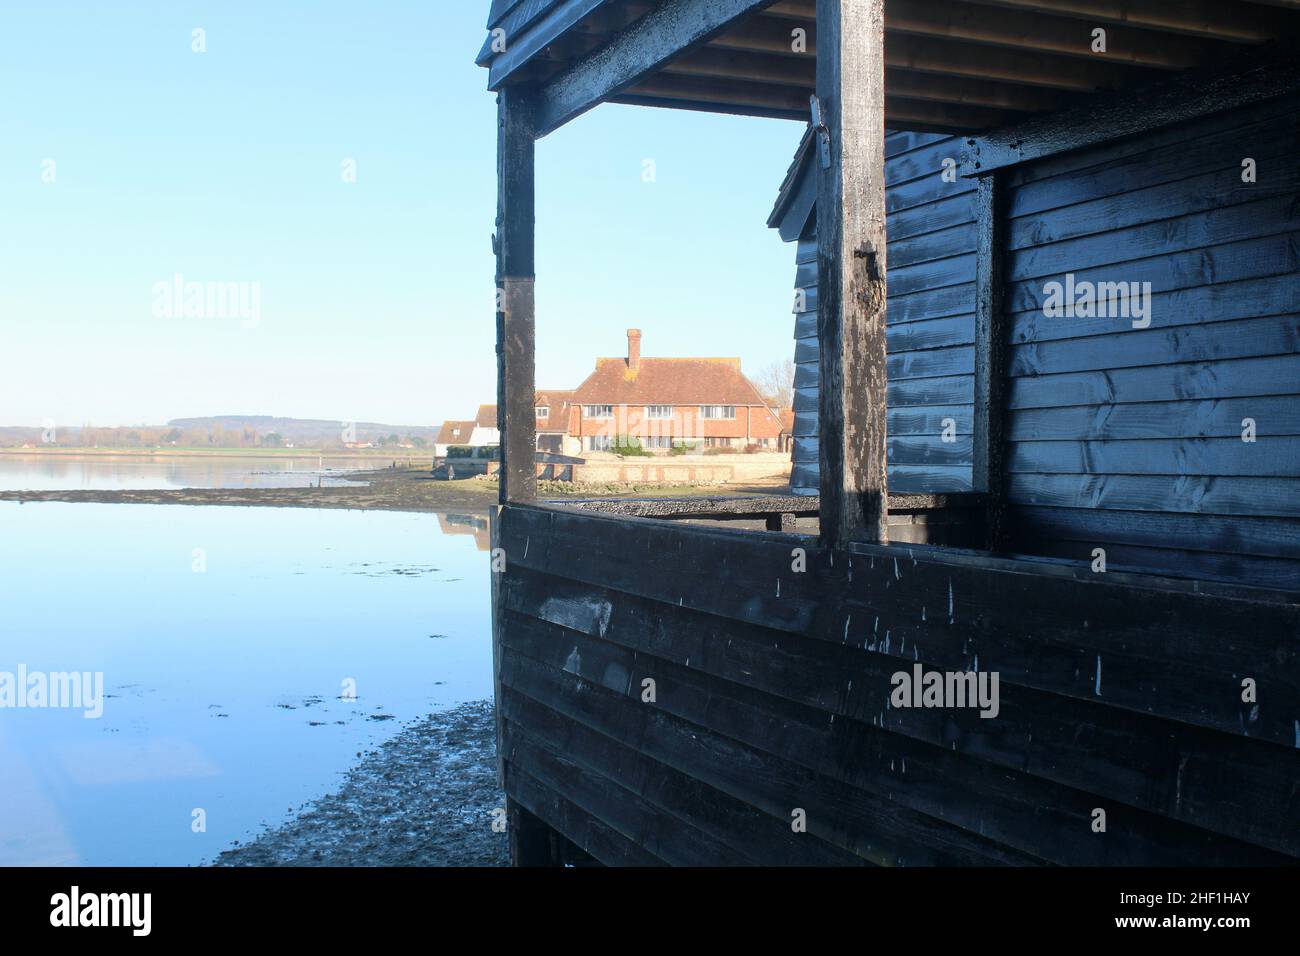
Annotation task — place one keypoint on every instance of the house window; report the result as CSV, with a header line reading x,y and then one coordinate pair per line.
x,y
543,411
657,441
658,411
717,411
598,411
597,442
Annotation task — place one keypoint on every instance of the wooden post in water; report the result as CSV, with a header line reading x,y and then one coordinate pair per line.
x,y
850,106
516,331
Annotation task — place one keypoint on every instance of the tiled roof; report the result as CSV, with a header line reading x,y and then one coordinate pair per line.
x,y
554,396
445,436
561,405
487,416
668,381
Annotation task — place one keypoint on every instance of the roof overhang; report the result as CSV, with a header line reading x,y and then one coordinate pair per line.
x,y
951,65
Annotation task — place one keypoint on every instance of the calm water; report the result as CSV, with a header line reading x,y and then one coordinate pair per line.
x,y
225,637
115,472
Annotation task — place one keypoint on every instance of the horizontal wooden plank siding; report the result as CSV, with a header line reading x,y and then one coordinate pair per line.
x,y
931,321
1126,432
650,716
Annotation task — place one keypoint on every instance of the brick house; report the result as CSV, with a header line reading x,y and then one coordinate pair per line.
x,y
555,413
705,402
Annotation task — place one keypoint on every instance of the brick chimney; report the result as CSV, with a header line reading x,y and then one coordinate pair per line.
x,y
633,349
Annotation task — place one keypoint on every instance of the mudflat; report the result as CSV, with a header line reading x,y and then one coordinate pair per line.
x,y
384,489
427,797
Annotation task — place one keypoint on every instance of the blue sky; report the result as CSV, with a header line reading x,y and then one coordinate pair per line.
x,y
376,295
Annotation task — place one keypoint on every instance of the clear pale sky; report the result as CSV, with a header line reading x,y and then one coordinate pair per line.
x,y
376,296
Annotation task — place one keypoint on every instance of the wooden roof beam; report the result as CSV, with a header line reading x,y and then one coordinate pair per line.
x,y
643,47
794,9
709,62
743,65
632,98
749,99
974,92
945,56
1174,99
1024,30
566,32
970,23
520,50
930,55
731,92
1214,19
903,113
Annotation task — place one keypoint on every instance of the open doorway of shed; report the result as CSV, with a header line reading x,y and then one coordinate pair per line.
x,y
655,220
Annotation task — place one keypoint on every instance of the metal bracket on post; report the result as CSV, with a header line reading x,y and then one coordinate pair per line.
x,y
822,130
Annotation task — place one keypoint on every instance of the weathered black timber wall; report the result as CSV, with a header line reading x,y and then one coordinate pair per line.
x,y
931,323
771,696
1130,439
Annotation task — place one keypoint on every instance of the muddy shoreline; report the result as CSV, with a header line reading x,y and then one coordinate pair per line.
x,y
426,797
382,490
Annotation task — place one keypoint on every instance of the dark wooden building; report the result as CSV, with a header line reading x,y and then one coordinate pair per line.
x,y
931,312
1048,348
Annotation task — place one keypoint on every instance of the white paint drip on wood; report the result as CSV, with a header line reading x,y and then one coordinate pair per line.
x,y
590,615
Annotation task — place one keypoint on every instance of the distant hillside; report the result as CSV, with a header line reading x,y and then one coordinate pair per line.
x,y
19,435
303,431
226,431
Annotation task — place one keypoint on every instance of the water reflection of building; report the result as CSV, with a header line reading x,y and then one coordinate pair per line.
x,y
477,525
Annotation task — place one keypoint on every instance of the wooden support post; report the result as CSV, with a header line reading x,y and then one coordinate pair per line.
x,y
990,360
498,622
782,522
516,327
852,267
532,842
